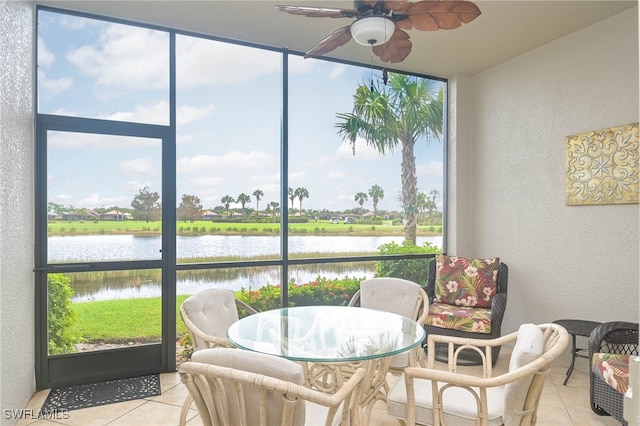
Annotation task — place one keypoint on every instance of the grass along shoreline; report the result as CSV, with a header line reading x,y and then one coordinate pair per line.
x,y
203,227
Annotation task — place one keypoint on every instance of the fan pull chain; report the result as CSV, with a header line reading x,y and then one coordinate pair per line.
x,y
371,73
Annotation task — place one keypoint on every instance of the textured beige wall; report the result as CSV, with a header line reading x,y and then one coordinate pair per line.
x,y
565,261
17,357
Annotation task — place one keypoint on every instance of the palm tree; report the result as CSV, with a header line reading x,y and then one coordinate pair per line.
x,y
398,113
361,198
274,209
258,194
433,205
300,193
243,199
376,193
226,200
292,196
422,202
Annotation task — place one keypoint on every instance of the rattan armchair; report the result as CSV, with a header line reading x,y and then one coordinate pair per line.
x,y
433,396
497,310
615,337
232,387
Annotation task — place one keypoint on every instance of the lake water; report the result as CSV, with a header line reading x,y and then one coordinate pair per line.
x,y
95,248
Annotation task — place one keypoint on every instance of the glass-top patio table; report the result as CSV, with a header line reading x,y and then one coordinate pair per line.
x,y
331,341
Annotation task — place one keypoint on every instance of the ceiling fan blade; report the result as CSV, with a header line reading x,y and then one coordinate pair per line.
x,y
396,49
399,5
338,38
318,12
440,15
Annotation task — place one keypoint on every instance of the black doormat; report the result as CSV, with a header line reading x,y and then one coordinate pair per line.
x,y
95,394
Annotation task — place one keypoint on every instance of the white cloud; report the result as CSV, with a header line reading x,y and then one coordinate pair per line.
x,y
208,62
96,200
233,161
133,186
139,165
54,86
363,151
430,169
154,113
337,71
300,66
336,174
45,56
71,140
188,114
126,59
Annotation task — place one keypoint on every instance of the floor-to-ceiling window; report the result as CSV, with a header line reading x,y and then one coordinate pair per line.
x,y
171,162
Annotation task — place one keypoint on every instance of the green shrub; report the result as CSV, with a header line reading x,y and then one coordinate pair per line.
x,y
415,270
60,315
322,291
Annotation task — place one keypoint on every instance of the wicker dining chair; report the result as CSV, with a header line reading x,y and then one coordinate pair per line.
x,y
430,396
207,315
399,296
232,387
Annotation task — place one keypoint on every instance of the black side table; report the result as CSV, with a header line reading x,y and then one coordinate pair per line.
x,y
576,328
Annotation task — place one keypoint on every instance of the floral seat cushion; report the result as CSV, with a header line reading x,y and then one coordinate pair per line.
x,y
613,369
466,282
473,320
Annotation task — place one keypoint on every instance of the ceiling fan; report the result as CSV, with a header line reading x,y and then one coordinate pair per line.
x,y
381,24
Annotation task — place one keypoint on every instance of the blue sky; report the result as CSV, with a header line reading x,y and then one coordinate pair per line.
x,y
229,109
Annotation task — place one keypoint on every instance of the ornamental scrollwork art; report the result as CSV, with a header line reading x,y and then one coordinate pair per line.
x,y
602,166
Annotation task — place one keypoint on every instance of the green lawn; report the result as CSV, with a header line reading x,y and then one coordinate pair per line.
x,y
229,228
122,321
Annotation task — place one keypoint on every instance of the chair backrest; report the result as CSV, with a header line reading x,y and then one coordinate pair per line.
x,y
395,295
399,296
232,387
529,347
209,312
501,280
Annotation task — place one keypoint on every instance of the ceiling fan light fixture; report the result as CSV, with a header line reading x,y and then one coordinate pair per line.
x,y
372,31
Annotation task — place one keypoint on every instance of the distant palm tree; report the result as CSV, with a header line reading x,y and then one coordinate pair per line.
x,y
398,113
243,199
227,200
422,202
258,194
434,193
301,193
361,198
292,196
376,193
274,209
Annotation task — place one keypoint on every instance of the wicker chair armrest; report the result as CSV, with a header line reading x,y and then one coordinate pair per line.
x,y
354,299
498,306
604,331
292,390
241,305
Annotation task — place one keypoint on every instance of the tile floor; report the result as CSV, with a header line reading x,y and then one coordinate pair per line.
x,y
559,405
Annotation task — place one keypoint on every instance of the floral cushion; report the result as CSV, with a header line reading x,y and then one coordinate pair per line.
x,y
466,282
613,369
473,320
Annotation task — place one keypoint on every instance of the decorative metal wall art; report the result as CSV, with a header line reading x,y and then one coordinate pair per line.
x,y
602,166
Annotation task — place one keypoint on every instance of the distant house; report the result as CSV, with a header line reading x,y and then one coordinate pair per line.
x,y
367,215
54,216
209,215
81,215
115,215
